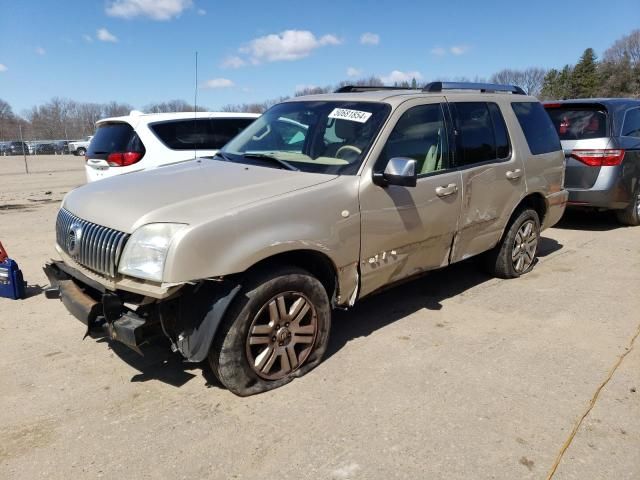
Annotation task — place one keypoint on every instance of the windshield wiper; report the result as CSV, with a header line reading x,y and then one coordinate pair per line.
x,y
272,158
223,156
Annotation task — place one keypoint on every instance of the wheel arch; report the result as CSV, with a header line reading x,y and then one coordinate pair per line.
x,y
534,200
316,263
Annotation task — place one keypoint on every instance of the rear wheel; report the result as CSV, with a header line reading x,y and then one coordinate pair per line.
x,y
631,215
81,151
276,330
515,255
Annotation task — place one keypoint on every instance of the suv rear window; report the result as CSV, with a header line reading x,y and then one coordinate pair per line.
x,y
537,127
578,122
115,137
201,134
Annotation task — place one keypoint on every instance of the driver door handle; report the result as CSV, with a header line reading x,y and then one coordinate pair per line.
x,y
447,190
514,174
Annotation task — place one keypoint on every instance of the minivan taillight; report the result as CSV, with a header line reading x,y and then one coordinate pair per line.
x,y
123,159
599,157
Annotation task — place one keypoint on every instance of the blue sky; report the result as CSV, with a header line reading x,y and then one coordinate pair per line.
x,y
142,51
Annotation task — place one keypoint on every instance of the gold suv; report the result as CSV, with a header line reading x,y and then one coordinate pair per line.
x,y
320,202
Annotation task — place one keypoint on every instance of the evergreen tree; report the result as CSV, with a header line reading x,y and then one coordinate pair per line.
x,y
584,79
557,84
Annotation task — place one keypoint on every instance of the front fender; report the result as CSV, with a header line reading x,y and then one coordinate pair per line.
x,y
324,218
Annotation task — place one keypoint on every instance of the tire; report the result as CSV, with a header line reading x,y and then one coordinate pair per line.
x,y
515,254
261,344
81,151
631,215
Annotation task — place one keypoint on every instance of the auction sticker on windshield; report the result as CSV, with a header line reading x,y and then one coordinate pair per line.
x,y
352,115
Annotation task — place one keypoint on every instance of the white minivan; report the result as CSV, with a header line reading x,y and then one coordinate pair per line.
x,y
140,141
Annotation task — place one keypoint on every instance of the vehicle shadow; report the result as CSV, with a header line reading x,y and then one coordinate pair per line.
x,y
159,363
427,292
577,219
547,246
32,290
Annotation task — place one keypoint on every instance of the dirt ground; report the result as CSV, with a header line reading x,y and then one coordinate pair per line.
x,y
453,376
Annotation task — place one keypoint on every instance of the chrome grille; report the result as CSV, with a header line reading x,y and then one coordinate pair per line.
x,y
93,246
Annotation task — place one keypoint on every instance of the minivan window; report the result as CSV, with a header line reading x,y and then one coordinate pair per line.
x,y
631,127
476,140
115,137
578,122
199,134
536,125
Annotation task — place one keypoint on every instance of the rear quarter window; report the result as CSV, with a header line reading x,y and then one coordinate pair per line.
x,y
115,137
536,125
201,134
631,127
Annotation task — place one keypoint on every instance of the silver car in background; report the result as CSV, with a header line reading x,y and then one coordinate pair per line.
x,y
601,142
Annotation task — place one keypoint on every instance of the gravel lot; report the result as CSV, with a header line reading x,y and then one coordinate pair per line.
x,y
455,375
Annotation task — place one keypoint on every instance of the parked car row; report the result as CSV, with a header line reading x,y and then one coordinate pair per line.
x,y
14,148
239,255
52,147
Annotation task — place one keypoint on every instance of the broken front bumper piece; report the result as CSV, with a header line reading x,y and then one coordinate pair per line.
x,y
189,318
101,311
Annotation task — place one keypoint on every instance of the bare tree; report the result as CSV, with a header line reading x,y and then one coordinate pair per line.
x,y
172,106
312,91
115,109
371,81
627,47
530,79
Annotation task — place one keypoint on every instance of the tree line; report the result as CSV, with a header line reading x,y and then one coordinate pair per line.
x,y
617,74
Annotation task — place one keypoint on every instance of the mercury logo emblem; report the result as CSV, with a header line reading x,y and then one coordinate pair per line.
x,y
73,240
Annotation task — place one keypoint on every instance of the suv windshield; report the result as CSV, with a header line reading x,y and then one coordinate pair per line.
x,y
578,122
312,136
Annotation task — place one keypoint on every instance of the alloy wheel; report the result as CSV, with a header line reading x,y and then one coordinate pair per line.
x,y
524,247
281,335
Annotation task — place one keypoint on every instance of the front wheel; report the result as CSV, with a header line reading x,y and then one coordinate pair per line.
x,y
81,151
515,255
277,329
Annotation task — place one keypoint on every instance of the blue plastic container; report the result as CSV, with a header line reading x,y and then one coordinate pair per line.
x,y
11,281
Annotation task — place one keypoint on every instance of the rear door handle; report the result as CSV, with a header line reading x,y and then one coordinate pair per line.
x,y
514,174
448,190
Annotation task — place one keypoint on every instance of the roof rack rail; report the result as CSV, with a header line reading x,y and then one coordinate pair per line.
x,y
483,87
368,88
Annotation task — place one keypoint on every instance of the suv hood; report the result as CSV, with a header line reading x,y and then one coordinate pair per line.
x,y
189,192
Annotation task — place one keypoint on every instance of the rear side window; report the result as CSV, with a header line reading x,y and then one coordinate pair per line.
x,y
631,127
537,127
115,137
578,122
476,138
503,149
202,134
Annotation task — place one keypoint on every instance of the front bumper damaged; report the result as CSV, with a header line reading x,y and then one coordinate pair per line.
x,y
189,318
102,312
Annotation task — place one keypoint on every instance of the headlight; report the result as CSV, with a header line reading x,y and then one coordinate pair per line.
x,y
146,251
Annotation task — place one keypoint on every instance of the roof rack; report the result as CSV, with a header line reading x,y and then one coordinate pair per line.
x,y
483,87
367,88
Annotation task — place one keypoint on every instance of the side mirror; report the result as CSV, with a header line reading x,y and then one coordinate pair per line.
x,y
399,171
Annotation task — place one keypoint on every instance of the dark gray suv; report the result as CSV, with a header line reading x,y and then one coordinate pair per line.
x,y
601,142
